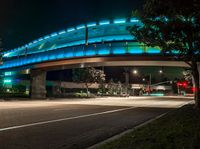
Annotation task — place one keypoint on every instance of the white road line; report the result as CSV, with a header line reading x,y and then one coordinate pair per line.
x,y
63,119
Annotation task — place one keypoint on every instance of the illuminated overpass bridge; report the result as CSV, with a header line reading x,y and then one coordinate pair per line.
x,y
104,39
104,43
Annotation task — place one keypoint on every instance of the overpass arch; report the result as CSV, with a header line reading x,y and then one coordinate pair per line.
x,y
109,44
104,38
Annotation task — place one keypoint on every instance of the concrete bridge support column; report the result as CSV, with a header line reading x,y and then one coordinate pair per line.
x,y
38,84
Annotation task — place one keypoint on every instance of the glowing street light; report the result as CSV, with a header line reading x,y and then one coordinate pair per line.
x,y
135,71
160,71
8,73
7,81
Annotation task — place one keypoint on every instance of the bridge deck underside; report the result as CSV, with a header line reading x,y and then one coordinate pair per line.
x,y
110,61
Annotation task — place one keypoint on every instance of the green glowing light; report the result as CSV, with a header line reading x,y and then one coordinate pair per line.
x,y
8,73
7,81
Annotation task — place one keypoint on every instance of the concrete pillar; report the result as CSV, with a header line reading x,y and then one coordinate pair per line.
x,y
127,79
38,84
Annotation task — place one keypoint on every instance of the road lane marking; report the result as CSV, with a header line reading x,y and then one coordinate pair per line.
x,y
63,119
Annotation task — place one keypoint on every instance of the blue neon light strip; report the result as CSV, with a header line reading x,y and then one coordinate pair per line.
x,y
119,21
105,22
54,34
119,50
90,52
70,29
135,51
35,41
40,39
62,32
91,24
134,20
80,27
6,54
153,50
47,37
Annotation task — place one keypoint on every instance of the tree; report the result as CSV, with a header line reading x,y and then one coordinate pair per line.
x,y
174,26
119,88
188,75
101,80
111,87
87,76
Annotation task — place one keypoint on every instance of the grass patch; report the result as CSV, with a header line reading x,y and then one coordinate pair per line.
x,y
179,129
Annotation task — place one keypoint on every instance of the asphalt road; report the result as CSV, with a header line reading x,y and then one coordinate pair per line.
x,y
68,126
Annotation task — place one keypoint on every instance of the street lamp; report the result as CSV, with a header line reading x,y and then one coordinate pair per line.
x,y
135,72
160,71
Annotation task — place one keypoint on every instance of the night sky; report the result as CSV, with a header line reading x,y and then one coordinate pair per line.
x,y
22,21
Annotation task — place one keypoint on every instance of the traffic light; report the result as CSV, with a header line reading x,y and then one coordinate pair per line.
x,y
182,84
194,89
179,84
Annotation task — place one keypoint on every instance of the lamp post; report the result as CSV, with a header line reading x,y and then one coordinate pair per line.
x,y
135,72
150,77
126,73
